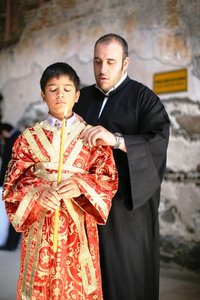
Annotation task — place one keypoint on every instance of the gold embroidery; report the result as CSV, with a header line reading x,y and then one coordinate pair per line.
x,y
41,170
36,253
44,170
95,197
85,258
27,289
72,133
75,152
17,221
26,261
44,140
51,149
24,297
34,146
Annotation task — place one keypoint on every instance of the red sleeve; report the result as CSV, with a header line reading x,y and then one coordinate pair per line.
x,y
21,188
99,185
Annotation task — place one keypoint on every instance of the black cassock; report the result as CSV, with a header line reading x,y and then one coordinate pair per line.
x,y
129,242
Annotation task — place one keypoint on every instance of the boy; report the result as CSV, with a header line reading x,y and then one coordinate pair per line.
x,y
31,195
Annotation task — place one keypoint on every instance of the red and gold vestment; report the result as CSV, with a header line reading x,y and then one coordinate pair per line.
x,y
74,271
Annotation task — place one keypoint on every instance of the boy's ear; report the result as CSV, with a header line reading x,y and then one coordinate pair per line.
x,y
77,96
43,96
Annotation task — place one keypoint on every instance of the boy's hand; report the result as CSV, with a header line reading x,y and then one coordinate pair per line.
x,y
68,189
49,199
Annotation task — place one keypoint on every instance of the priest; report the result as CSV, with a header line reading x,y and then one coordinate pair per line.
x,y
128,116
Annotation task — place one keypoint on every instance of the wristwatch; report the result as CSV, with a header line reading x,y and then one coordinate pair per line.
x,y
119,138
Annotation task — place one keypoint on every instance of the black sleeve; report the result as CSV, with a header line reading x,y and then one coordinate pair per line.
x,y
146,151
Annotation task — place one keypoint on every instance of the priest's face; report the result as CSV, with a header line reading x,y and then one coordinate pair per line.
x,y
60,94
109,64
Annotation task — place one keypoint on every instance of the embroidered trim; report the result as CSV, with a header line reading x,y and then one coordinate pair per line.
x,y
41,170
27,290
44,140
28,253
94,196
34,146
24,297
75,152
85,258
30,197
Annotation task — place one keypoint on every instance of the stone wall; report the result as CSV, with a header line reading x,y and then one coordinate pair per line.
x,y
163,35
179,209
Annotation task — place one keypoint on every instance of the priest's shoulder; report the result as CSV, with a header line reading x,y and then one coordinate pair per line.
x,y
139,86
86,95
87,89
141,91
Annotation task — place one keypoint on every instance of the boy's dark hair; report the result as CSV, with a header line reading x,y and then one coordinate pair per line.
x,y
56,70
107,38
5,126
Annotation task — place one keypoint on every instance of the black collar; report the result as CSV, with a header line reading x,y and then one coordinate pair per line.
x,y
115,90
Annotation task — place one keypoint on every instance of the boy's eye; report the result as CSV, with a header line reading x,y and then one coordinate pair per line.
x,y
54,90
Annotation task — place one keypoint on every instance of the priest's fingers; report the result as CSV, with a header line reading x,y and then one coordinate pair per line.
x,y
89,135
98,135
86,131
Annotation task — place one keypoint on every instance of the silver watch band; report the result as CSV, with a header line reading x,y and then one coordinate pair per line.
x,y
119,138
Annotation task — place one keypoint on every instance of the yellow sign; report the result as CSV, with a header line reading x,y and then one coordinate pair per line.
x,y
170,82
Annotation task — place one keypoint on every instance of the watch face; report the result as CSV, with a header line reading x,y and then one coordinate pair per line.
x,y
117,134
118,137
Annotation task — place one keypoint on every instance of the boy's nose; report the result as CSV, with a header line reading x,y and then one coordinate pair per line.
x,y
59,95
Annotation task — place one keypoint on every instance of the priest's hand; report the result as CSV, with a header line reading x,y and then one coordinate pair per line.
x,y
97,135
68,189
49,199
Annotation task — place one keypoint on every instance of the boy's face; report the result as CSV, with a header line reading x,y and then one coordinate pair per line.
x,y
60,93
